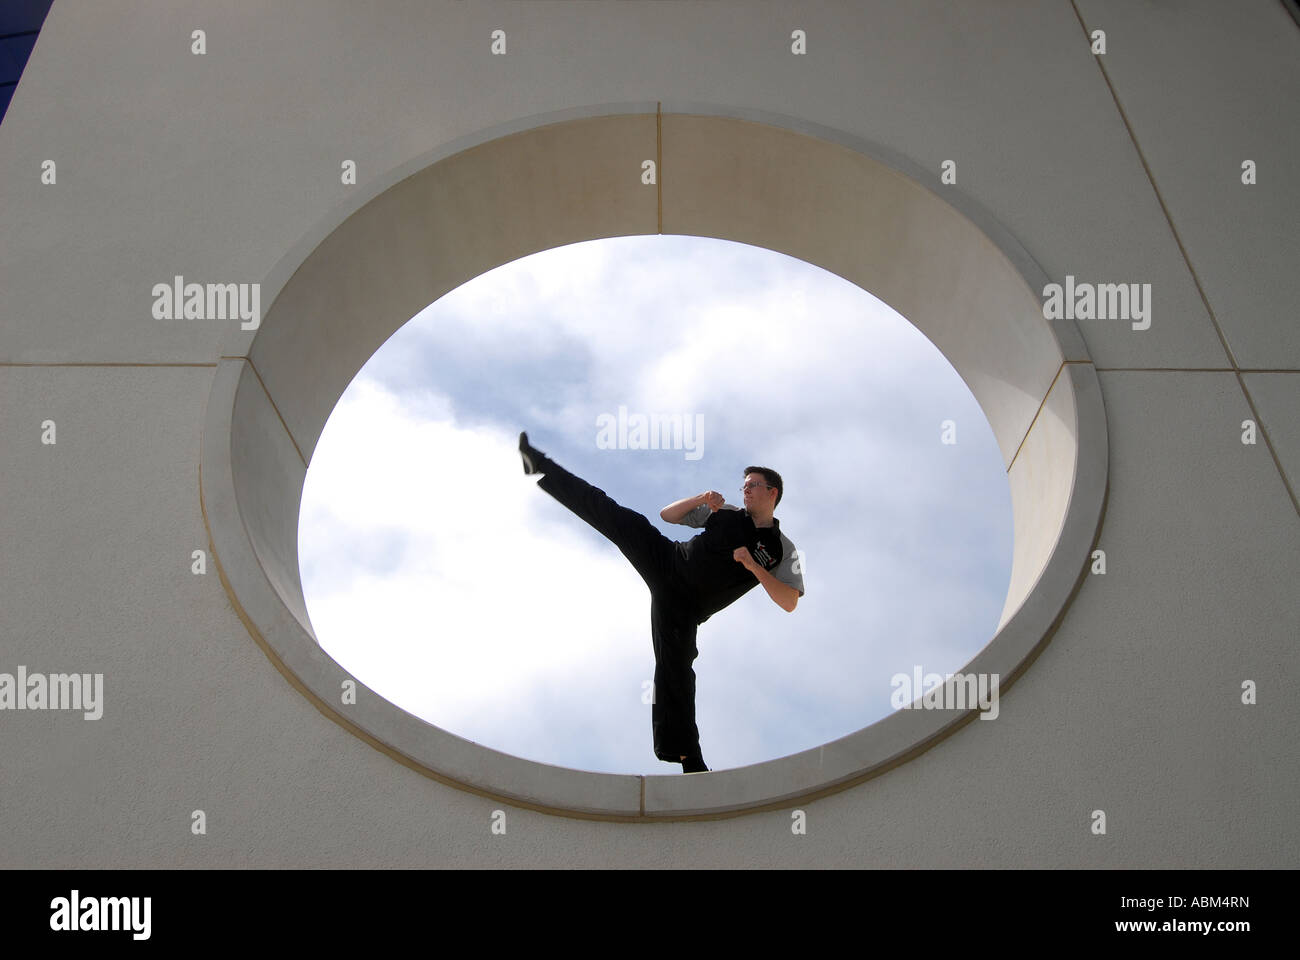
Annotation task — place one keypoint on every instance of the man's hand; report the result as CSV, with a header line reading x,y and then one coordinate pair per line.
x,y
745,558
783,595
676,512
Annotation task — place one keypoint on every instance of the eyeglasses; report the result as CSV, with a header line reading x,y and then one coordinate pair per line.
x,y
752,484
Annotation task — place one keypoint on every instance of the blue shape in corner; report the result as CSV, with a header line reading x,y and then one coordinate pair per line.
x,y
20,23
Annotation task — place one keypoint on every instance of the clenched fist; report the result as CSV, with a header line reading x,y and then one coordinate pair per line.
x,y
742,556
713,499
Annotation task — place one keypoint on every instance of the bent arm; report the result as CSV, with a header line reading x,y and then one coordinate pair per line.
x,y
783,595
674,512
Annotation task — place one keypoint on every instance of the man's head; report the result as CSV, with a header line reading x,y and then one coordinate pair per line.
x,y
763,489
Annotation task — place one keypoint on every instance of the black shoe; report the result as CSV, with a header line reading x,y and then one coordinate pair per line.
x,y
534,460
694,764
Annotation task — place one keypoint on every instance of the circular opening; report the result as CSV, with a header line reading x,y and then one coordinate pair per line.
x,y
445,581
823,197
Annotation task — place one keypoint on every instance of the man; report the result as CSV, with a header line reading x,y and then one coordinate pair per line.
x,y
689,582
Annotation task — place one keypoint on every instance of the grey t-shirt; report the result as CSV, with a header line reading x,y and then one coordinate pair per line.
x,y
789,571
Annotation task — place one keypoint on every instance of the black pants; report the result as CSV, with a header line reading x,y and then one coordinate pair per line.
x,y
673,619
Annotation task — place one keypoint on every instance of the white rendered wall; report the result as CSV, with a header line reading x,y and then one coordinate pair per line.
x,y
217,166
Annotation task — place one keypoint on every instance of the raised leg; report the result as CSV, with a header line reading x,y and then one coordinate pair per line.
x,y
648,550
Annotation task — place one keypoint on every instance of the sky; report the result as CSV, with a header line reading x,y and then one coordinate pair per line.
x,y
439,575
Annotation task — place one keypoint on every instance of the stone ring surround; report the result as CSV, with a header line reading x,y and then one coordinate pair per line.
x,y
400,242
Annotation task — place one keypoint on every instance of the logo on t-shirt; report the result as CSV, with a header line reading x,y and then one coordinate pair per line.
x,y
762,556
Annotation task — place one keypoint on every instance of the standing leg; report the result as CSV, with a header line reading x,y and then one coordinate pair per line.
x,y
672,717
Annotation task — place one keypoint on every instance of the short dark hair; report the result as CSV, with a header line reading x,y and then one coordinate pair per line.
x,y
772,477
